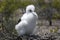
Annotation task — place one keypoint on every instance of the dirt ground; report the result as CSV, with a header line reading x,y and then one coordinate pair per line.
x,y
43,30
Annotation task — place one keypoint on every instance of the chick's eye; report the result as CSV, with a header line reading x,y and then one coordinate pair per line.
x,y
30,10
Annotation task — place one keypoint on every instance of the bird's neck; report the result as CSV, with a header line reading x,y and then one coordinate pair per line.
x,y
29,12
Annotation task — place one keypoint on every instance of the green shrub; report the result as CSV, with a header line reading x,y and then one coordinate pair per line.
x,y
56,16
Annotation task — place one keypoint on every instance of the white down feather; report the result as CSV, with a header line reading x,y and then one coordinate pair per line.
x,y
28,21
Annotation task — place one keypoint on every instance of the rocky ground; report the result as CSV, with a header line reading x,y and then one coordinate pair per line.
x,y
49,32
43,30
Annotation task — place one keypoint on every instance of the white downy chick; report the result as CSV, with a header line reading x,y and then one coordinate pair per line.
x,y
28,21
